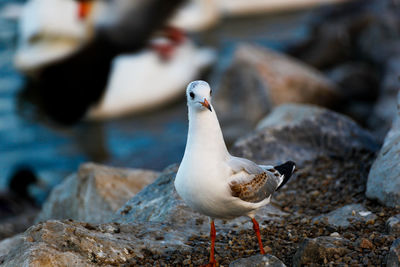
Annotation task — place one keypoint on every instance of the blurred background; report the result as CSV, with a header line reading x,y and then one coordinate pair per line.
x,y
104,81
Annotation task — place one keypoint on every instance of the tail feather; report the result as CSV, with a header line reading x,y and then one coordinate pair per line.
x,y
286,169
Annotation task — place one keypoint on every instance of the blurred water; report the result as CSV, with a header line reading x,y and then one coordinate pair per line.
x,y
151,141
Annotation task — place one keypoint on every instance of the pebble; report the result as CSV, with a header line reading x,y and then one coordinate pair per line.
x,y
366,244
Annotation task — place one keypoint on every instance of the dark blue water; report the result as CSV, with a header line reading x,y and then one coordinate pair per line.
x,y
151,141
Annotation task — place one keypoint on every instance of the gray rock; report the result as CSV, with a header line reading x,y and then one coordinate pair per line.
x,y
70,243
393,258
384,110
302,133
379,40
343,216
260,79
94,193
258,261
320,250
357,80
384,177
159,202
393,225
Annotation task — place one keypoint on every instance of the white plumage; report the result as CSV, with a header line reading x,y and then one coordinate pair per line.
x,y
213,182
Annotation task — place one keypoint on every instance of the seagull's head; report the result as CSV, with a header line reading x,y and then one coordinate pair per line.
x,y
198,95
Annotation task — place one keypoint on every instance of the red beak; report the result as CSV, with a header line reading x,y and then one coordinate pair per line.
x,y
206,104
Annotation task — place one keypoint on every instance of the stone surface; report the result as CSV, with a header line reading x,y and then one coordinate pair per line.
x,y
356,80
344,216
94,193
69,243
393,225
384,177
366,244
320,250
159,202
384,110
302,133
260,79
18,223
393,259
379,39
258,261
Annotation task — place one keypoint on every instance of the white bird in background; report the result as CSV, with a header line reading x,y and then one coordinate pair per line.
x,y
213,182
111,59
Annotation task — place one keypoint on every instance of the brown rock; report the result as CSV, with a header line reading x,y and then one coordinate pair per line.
x,y
365,243
70,243
94,193
260,79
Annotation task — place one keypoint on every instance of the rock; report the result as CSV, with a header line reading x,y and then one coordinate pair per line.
x,y
343,216
359,85
393,225
8,244
94,193
384,110
356,80
366,244
159,202
70,243
258,261
320,250
384,177
379,40
17,224
393,258
302,133
333,34
262,78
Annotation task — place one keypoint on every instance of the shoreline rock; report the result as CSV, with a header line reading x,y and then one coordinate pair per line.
x,y
344,216
94,193
302,133
384,178
262,78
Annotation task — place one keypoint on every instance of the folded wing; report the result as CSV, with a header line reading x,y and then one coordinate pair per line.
x,y
251,182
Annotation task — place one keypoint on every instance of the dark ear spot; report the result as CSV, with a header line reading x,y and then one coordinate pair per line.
x,y
191,95
210,92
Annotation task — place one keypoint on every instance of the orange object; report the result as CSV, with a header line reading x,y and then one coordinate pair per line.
x,y
84,9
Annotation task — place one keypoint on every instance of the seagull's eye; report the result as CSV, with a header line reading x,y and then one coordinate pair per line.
x,y
191,95
210,91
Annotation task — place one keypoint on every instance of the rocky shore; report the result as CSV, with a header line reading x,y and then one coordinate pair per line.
x,y
317,107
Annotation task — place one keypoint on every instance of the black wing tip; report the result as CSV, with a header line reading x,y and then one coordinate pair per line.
x,y
286,169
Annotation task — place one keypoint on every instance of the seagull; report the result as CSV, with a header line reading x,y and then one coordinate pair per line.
x,y
65,89
215,183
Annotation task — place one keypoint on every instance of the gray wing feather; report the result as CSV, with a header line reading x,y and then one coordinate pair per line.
x,y
241,164
260,187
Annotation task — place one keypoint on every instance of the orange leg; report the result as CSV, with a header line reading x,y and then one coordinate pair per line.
x,y
256,228
213,234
